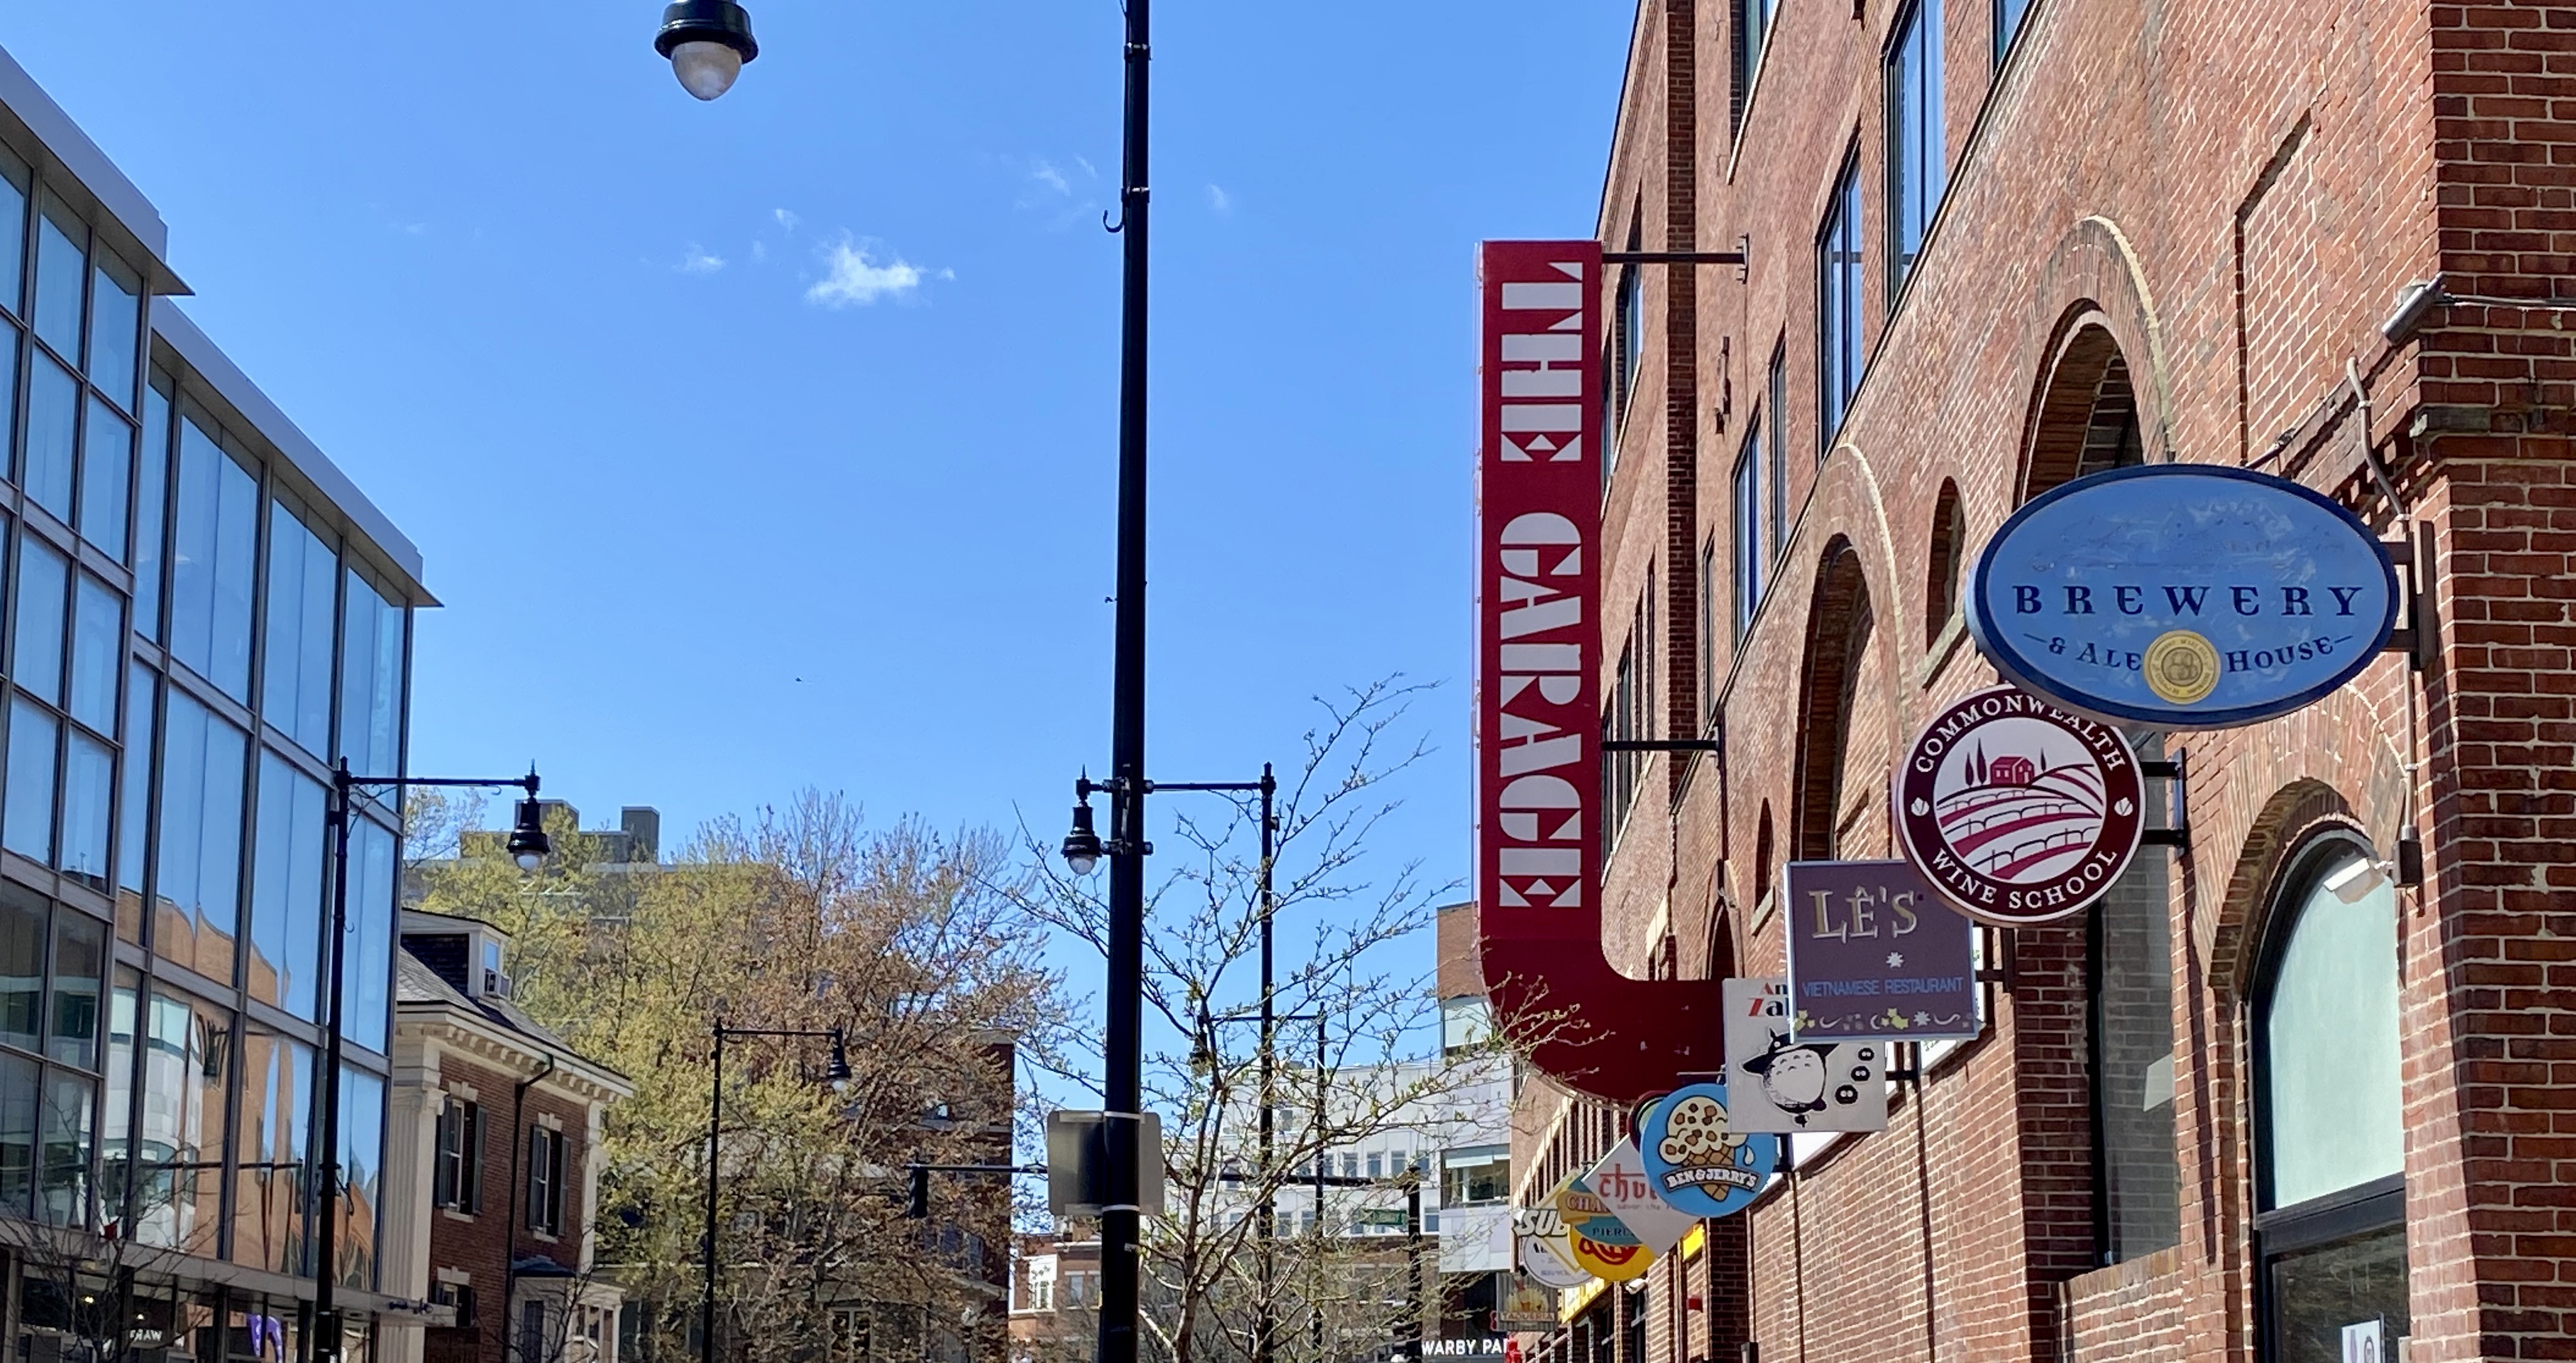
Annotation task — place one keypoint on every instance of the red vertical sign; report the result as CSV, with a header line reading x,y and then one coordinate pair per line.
x,y
1538,706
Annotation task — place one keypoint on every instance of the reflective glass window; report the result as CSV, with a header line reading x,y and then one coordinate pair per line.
x,y
80,968
18,1080
107,470
2329,1068
371,681
70,1125
9,341
89,784
270,1145
286,890
301,577
115,327
186,1069
61,269
372,872
1749,559
116,1119
151,504
13,230
1918,163
36,657
215,557
2008,17
27,821
1838,285
22,967
53,421
98,653
362,1163
2132,1052
199,872
134,817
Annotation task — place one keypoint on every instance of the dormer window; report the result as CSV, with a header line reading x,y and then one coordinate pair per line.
x,y
494,981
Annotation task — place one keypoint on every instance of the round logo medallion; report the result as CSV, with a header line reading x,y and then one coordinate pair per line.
x,y
2018,811
2181,667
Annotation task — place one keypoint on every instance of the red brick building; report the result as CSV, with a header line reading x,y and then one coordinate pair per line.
x,y
2274,1093
493,1142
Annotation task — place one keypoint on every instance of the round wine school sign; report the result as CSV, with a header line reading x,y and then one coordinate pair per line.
x,y
2017,811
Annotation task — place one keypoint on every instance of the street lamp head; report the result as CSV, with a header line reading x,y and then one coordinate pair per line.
x,y
528,843
707,42
1082,845
838,1071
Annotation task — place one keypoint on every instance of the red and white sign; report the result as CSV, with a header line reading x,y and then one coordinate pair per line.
x,y
1538,696
2017,811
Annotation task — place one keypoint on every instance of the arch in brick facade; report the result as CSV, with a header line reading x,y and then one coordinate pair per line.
x,y
2108,314
2295,816
1839,622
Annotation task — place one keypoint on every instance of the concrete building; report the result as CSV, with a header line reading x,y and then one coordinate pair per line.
x,y
2273,1098
204,614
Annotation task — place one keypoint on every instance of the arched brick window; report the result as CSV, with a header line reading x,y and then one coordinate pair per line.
x,y
2329,1132
2087,419
1839,625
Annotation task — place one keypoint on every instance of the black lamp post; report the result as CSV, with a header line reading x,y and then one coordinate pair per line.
x,y
836,1073
707,41
528,846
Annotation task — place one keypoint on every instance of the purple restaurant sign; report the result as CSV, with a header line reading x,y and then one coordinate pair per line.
x,y
1874,953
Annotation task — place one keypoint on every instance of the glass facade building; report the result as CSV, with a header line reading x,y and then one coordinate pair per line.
x,y
201,617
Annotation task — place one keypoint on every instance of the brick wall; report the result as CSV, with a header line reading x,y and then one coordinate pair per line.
x,y
2221,200
484,1243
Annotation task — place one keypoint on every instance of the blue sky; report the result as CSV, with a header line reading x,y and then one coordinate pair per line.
x,y
769,443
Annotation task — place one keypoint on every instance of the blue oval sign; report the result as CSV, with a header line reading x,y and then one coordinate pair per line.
x,y
2183,596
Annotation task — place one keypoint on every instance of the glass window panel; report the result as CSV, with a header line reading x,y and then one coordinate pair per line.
x,y
214,563
186,1068
362,1145
1917,166
2133,1058
107,470
18,1080
286,892
60,271
199,872
372,872
98,653
271,1145
13,229
22,966
135,795
2008,17
89,782
1838,275
53,420
9,340
70,1125
151,502
115,326
301,576
2317,1292
1748,531
27,823
371,681
116,1119
2330,1062
36,662
80,967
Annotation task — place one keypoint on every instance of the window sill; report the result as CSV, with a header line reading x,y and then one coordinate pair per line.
x,y
452,1214
1937,658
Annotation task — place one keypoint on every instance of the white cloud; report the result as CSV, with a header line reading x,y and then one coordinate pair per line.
x,y
697,260
759,252
1219,200
785,218
1085,163
1046,174
853,278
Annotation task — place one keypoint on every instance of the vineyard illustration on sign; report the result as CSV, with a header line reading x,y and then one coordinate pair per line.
x,y
2024,814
